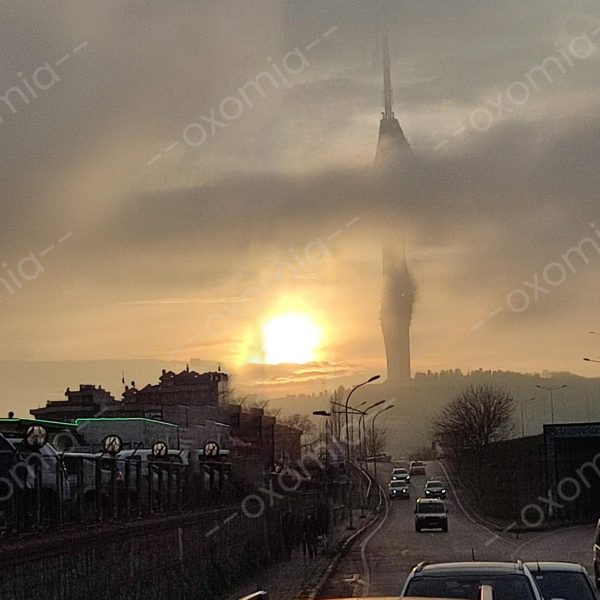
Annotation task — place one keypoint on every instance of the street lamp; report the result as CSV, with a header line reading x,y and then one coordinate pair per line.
x,y
324,413
373,438
362,418
551,390
370,380
592,360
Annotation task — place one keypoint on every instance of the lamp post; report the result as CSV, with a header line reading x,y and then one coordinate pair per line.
x,y
552,390
362,419
373,438
352,410
521,402
371,379
324,413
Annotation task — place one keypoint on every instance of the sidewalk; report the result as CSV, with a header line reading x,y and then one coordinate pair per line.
x,y
292,579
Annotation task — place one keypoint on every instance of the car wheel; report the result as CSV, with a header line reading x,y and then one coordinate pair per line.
x,y
445,527
418,528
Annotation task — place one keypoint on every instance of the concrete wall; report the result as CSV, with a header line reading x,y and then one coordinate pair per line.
x,y
509,476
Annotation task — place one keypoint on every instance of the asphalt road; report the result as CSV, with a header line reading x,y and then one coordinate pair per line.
x,y
379,563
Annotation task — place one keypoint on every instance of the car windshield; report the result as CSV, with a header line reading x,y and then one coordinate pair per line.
x,y
430,508
398,484
567,586
434,484
506,587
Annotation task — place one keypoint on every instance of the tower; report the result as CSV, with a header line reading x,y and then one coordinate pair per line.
x,y
396,311
393,154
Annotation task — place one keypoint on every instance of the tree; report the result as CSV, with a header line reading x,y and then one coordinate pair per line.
x,y
337,416
375,444
476,418
298,421
246,402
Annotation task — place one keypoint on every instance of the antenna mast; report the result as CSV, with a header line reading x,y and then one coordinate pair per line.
x,y
387,78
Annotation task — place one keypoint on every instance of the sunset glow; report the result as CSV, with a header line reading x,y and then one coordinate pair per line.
x,y
290,338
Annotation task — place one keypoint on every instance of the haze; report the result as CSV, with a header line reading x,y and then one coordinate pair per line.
x,y
158,205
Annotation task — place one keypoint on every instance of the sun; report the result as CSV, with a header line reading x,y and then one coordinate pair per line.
x,y
290,338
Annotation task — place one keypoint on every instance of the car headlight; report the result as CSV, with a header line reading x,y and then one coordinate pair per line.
x,y
427,492
443,491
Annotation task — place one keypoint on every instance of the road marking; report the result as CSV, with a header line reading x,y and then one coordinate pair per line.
x,y
365,542
463,509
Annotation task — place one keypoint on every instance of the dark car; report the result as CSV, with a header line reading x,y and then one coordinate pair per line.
x,y
399,489
568,581
435,489
400,474
431,514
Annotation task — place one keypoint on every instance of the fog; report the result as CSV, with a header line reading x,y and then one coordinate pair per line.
x,y
188,193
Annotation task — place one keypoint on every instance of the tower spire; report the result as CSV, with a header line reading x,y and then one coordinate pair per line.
x,y
387,77
392,148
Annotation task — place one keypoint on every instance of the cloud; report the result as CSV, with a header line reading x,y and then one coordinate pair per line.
x,y
157,251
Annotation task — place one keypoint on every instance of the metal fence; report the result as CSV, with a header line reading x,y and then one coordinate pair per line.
x,y
40,491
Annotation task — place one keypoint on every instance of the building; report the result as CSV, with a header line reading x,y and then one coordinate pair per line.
x,y
393,155
88,401
188,388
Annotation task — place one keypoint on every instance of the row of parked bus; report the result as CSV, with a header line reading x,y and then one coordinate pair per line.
x,y
41,486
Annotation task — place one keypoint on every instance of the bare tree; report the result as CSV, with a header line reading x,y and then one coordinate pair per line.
x,y
375,444
476,418
337,417
230,397
302,422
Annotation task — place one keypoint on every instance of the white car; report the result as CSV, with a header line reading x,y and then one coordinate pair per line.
x,y
509,581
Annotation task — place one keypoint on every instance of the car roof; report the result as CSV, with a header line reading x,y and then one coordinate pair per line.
x,y
399,469
434,481
430,501
543,566
466,568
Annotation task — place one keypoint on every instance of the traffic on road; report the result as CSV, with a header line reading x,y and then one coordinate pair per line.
x,y
433,546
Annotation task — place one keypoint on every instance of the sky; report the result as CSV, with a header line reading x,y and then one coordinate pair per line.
x,y
175,174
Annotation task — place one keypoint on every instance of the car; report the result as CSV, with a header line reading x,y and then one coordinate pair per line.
x,y
54,481
400,473
562,580
597,555
509,581
399,489
431,513
81,472
435,489
485,593
417,467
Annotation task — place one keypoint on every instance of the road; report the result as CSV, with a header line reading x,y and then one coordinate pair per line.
x,y
379,563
